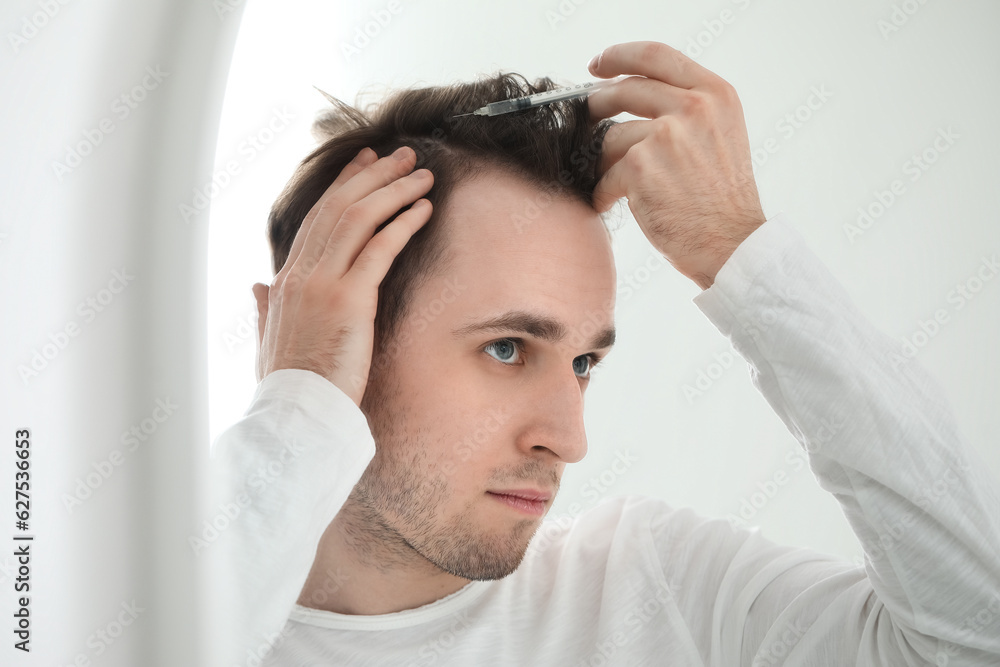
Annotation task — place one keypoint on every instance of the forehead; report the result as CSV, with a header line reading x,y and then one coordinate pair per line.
x,y
513,245
497,220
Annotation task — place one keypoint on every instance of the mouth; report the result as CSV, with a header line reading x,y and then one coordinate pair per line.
x,y
526,501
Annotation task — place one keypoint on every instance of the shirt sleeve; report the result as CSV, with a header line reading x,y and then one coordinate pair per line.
x,y
880,436
281,475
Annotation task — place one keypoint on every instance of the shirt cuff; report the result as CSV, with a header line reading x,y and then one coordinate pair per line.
x,y
753,257
316,397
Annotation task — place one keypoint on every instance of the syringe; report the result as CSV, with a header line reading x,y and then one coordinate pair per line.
x,y
538,99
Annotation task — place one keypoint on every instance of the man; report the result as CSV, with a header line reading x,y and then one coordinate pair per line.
x,y
420,537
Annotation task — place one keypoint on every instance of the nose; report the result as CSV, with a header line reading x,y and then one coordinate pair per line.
x,y
554,409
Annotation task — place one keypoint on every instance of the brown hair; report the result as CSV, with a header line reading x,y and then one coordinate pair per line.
x,y
554,147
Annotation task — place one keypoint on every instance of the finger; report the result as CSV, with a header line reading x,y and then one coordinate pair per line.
x,y
639,96
365,157
362,160
619,138
360,220
376,258
260,293
377,175
610,188
651,59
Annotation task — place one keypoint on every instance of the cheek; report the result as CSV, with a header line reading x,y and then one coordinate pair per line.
x,y
449,402
440,380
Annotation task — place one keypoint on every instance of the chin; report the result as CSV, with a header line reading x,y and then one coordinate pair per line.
x,y
465,551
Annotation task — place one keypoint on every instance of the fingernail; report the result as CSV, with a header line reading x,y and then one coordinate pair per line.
x,y
400,153
595,62
362,154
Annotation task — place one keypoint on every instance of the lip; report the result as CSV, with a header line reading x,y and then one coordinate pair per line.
x,y
526,501
527,494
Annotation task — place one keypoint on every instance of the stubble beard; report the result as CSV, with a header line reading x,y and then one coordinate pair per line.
x,y
396,517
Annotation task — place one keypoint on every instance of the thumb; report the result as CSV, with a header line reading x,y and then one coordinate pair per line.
x,y
260,293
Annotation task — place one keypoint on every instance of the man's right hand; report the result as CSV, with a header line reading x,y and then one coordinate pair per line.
x,y
319,312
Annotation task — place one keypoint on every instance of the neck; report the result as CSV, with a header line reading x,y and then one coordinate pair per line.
x,y
364,567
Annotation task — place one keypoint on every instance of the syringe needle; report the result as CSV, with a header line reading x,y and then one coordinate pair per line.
x,y
539,99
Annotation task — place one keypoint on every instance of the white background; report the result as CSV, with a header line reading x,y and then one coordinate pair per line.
x,y
178,331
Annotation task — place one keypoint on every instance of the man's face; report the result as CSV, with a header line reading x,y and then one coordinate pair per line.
x,y
458,415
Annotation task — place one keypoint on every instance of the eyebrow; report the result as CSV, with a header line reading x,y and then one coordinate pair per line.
x,y
538,326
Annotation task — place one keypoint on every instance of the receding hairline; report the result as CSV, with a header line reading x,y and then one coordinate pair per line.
x,y
482,170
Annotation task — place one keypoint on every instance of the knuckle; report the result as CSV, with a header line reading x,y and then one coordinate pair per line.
x,y
362,266
663,129
654,51
727,92
381,172
375,248
389,168
695,103
634,158
399,186
334,203
289,282
308,265
355,213
404,188
364,259
681,61
392,175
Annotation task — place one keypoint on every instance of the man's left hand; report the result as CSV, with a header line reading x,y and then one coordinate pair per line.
x,y
686,171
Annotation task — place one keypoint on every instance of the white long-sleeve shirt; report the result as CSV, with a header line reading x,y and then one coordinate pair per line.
x,y
634,581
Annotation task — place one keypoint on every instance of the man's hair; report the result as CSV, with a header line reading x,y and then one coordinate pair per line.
x,y
555,147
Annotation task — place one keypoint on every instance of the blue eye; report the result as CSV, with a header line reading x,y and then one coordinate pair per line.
x,y
509,350
507,347
590,363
